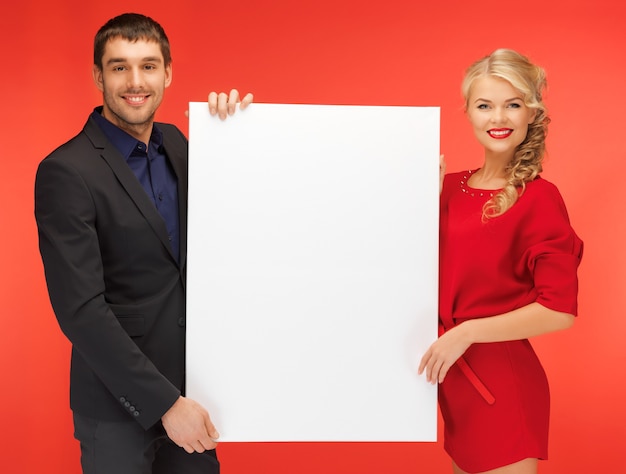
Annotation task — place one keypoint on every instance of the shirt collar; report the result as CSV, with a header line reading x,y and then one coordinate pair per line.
x,y
121,140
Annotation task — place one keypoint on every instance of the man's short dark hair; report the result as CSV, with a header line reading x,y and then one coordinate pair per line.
x,y
131,27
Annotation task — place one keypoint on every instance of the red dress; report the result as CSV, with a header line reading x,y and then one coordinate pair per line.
x,y
495,400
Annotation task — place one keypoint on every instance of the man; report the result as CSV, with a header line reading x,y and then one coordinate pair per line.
x,y
111,208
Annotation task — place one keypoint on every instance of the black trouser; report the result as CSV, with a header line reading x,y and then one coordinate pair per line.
x,y
126,448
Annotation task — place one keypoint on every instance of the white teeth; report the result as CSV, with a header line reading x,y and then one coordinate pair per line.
x,y
135,99
499,133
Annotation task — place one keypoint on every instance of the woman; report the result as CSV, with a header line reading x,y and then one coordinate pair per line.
x,y
507,272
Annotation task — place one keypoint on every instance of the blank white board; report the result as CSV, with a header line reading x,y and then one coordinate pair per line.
x,y
312,271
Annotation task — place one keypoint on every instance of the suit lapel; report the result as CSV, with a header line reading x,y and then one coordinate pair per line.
x,y
177,154
129,182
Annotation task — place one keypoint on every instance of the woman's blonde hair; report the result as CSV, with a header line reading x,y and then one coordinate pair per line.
x,y
530,82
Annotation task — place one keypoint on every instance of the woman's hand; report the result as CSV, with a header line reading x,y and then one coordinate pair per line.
x,y
443,353
442,171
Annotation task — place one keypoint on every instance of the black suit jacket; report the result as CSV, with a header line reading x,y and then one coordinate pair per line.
x,y
115,287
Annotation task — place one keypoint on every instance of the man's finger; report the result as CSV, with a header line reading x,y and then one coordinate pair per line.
x,y
213,103
246,101
222,105
233,98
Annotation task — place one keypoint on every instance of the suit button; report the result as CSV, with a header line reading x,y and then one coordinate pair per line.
x,y
136,413
132,408
181,322
122,399
127,404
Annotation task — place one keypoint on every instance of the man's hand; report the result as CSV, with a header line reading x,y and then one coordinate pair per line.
x,y
188,424
224,104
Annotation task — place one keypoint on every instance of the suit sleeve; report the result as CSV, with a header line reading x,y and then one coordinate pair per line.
x,y
69,246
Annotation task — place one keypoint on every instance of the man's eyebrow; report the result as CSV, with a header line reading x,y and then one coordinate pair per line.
x,y
148,59
152,59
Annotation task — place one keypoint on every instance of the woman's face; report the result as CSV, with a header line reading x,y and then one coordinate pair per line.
x,y
498,115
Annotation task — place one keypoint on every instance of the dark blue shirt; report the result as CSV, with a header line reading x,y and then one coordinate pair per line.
x,y
152,169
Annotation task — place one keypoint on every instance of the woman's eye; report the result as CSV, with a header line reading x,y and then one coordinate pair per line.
x,y
482,106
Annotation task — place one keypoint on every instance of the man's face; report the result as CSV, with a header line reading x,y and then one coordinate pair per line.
x,y
132,80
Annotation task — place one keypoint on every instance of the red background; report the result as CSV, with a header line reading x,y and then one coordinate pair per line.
x,y
392,52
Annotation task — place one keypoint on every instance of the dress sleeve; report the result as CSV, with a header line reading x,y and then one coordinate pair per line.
x,y
554,253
